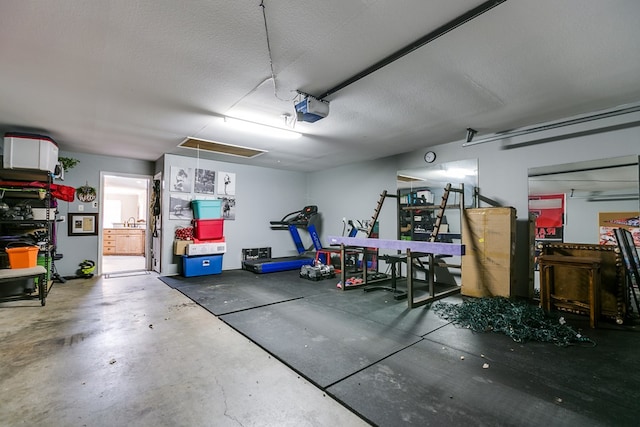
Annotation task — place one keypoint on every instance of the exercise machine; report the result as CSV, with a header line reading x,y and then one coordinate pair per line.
x,y
306,218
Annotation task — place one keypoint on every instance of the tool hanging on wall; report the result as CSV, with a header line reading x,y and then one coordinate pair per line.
x,y
155,207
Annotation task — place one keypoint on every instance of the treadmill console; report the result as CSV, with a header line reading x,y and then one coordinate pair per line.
x,y
307,212
297,218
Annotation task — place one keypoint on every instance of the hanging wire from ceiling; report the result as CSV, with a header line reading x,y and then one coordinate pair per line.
x,y
289,119
273,74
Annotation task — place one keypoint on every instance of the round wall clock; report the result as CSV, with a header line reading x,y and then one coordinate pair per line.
x,y
430,157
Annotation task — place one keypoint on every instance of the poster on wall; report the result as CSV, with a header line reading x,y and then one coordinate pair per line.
x,y
228,208
609,221
180,207
548,211
226,184
181,179
205,181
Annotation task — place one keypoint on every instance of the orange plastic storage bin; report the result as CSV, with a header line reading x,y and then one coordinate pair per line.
x,y
23,257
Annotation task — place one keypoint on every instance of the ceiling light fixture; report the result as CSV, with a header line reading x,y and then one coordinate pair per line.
x,y
260,129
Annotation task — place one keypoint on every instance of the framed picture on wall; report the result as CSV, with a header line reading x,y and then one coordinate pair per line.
x,y
609,221
180,207
181,179
229,208
226,184
205,181
83,224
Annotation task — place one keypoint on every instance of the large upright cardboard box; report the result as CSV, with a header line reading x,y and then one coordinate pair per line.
x,y
489,236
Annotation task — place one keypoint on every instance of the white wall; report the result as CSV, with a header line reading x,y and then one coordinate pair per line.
x,y
76,249
502,171
582,218
353,191
262,195
350,191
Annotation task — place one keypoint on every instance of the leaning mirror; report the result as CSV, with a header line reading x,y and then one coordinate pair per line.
x,y
436,177
583,202
578,209
421,192
424,187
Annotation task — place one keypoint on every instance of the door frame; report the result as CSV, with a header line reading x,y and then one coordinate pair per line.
x,y
147,241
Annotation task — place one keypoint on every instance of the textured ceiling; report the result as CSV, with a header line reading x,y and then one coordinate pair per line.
x,y
134,78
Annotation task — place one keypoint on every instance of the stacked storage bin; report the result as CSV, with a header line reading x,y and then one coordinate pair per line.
x,y
204,256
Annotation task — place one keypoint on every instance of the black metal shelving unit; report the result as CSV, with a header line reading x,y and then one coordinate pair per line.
x,y
27,185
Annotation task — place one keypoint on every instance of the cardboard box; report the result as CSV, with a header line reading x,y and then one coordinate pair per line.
x,y
488,263
180,246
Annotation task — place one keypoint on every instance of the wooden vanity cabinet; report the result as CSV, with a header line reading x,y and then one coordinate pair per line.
x,y
123,241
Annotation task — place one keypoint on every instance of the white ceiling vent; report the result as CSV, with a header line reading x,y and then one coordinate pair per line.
x,y
220,148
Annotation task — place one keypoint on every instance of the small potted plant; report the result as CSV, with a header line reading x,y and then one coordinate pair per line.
x,y
68,163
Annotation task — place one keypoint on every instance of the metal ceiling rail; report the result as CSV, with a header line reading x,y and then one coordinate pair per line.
x,y
449,26
556,125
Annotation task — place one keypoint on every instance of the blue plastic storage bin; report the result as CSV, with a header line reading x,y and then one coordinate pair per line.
x,y
201,265
207,209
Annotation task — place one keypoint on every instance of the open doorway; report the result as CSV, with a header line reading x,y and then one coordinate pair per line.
x,y
124,227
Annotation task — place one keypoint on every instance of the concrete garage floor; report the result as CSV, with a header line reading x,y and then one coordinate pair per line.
x,y
132,351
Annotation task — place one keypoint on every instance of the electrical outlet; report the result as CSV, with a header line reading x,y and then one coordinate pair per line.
x,y
80,208
95,204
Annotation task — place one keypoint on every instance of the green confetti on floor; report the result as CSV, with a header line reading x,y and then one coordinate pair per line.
x,y
517,319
